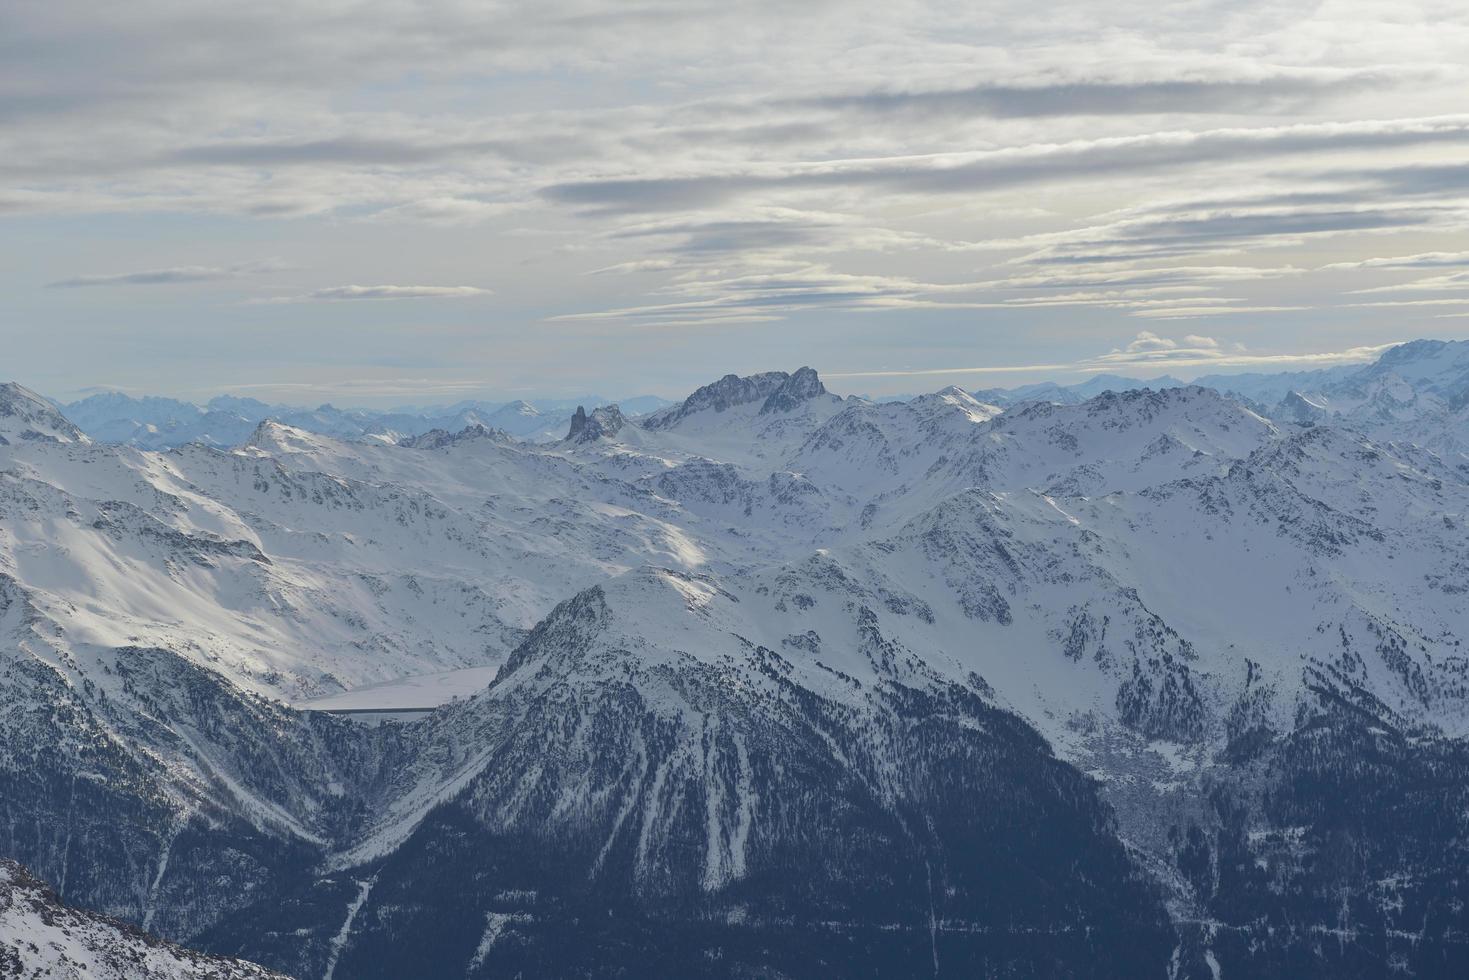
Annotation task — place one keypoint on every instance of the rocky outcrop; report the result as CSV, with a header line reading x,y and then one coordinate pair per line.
x,y
602,423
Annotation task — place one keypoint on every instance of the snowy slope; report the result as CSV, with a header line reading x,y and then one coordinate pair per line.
x,y
26,416
39,937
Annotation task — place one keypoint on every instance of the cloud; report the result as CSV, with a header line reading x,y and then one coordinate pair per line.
x,y
729,164
1180,312
445,210
1150,354
1262,93
165,277
635,266
1452,281
1423,260
1146,341
1185,230
1183,356
990,170
397,292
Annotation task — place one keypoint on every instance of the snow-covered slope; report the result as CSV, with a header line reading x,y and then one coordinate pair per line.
x,y
25,415
40,937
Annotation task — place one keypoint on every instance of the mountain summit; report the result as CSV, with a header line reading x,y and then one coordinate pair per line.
x,y
776,390
800,387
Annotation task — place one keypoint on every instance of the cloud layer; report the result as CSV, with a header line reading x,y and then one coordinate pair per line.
x,y
658,191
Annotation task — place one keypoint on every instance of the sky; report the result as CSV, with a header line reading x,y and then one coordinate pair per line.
x,y
379,203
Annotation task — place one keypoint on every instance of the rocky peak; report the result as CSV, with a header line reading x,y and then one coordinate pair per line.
x,y
439,438
798,388
722,395
604,422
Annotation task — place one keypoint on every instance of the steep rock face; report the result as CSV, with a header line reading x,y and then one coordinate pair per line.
x,y
41,937
603,423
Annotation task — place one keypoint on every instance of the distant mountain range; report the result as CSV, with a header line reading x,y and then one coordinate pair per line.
x,y
152,422
1091,681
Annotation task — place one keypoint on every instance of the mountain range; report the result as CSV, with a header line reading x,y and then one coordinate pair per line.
x,y
153,422
1116,679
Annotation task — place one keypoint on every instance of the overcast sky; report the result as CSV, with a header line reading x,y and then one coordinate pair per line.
x,y
426,201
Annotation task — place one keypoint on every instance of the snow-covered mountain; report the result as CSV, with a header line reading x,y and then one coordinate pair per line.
x,y
1072,394
151,422
1417,392
26,416
768,682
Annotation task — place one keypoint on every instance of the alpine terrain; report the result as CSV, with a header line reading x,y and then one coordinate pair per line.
x,y
1122,679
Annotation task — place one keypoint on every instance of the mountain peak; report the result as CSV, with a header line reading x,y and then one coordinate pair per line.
x,y
25,415
776,390
800,387
951,399
272,437
720,396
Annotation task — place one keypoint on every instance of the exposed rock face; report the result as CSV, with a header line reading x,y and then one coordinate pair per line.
x,y
720,396
800,387
603,423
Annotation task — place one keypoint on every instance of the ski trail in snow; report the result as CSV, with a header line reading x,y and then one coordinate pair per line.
x,y
339,941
